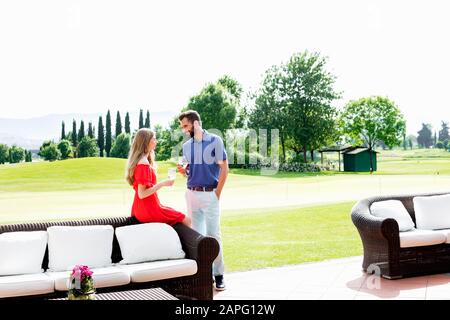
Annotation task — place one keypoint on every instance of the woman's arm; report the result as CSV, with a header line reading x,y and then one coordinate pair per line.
x,y
144,192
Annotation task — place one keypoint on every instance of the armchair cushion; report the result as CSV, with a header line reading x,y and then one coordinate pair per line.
x,y
148,242
103,277
88,245
432,212
25,285
420,238
393,209
22,252
159,270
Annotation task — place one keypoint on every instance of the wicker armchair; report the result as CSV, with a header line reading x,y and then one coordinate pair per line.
x,y
197,247
381,243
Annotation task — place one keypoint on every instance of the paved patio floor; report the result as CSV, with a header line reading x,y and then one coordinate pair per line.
x,y
340,279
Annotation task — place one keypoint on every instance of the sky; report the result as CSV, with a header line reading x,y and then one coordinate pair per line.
x,y
68,56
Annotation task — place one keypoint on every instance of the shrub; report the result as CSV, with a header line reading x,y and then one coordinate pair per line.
x,y
4,153
16,154
64,148
50,152
121,146
87,147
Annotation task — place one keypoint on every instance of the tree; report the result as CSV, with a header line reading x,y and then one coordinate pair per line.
x,y
87,148
63,131
444,132
118,124
147,120
164,147
425,136
412,140
108,138
121,146
127,124
216,106
101,136
90,130
81,132
308,92
49,152
28,156
270,110
64,149
4,153
74,134
373,119
233,87
141,119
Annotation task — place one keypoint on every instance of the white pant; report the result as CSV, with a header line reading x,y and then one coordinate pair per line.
x,y
204,209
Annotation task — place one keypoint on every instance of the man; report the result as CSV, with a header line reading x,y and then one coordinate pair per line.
x,y
207,172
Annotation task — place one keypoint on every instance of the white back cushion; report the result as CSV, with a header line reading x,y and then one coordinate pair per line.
x,y
393,209
148,242
87,245
432,212
22,252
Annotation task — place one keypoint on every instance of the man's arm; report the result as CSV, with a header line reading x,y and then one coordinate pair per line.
x,y
222,177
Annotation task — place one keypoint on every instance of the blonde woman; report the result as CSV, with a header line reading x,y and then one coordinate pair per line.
x,y
142,176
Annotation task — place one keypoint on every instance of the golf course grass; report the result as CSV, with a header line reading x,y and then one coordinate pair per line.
x,y
268,238
263,224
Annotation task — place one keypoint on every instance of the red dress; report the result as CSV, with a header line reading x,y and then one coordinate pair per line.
x,y
150,209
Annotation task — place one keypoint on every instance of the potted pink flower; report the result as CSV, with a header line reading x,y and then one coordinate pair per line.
x,y
81,285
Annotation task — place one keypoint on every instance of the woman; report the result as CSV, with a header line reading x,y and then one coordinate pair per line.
x,y
142,176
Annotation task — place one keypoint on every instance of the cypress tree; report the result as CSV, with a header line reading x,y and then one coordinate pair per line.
x,y
74,133
81,131
127,124
141,119
63,131
101,136
108,138
147,120
90,131
118,124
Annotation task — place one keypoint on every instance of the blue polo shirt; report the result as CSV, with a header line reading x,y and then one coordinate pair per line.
x,y
202,157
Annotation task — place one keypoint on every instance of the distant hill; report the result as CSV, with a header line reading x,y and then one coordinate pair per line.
x,y
30,133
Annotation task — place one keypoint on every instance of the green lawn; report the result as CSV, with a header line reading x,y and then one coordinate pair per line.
x,y
67,175
269,238
268,234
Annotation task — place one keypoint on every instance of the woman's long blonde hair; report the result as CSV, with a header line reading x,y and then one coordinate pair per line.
x,y
139,148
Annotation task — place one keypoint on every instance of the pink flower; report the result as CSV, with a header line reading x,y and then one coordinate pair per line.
x,y
81,272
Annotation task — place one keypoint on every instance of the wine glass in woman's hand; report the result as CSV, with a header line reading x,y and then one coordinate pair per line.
x,y
171,174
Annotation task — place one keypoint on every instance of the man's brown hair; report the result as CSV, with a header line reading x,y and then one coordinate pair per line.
x,y
191,115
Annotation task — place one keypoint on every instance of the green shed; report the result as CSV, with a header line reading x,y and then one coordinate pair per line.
x,y
359,160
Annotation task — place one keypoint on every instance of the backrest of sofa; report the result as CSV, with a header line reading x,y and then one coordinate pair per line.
x,y
42,226
407,201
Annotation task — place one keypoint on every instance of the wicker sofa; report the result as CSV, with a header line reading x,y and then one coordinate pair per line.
x,y
385,247
202,250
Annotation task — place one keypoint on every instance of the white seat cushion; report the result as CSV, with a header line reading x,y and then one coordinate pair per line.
x,y
432,212
148,242
22,252
393,209
159,270
419,238
25,285
103,277
446,233
79,245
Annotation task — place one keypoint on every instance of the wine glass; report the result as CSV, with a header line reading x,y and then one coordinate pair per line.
x,y
172,173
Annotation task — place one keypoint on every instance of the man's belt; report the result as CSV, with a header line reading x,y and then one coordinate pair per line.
x,y
201,188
